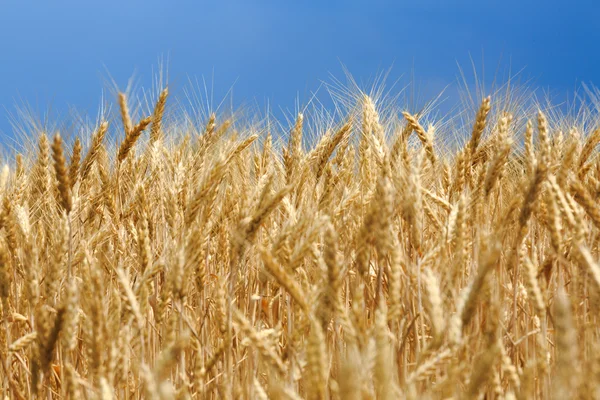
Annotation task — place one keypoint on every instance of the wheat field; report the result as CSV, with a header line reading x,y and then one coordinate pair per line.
x,y
356,256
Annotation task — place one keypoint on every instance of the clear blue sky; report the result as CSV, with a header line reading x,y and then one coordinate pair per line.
x,y
60,53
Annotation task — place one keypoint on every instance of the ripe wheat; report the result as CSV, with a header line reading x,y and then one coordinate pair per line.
x,y
217,261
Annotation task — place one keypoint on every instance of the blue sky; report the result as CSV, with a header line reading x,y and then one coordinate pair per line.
x,y
60,54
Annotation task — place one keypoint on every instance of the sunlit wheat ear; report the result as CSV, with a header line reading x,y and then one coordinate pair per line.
x,y
504,145
371,121
331,296
92,154
479,125
62,175
458,175
125,117
554,219
41,177
156,131
476,134
544,141
285,280
75,163
365,145
23,342
567,162
533,191
293,153
533,286
590,144
131,138
323,153
424,137
585,199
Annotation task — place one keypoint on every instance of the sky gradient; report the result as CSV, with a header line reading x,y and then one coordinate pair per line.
x,y
61,54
